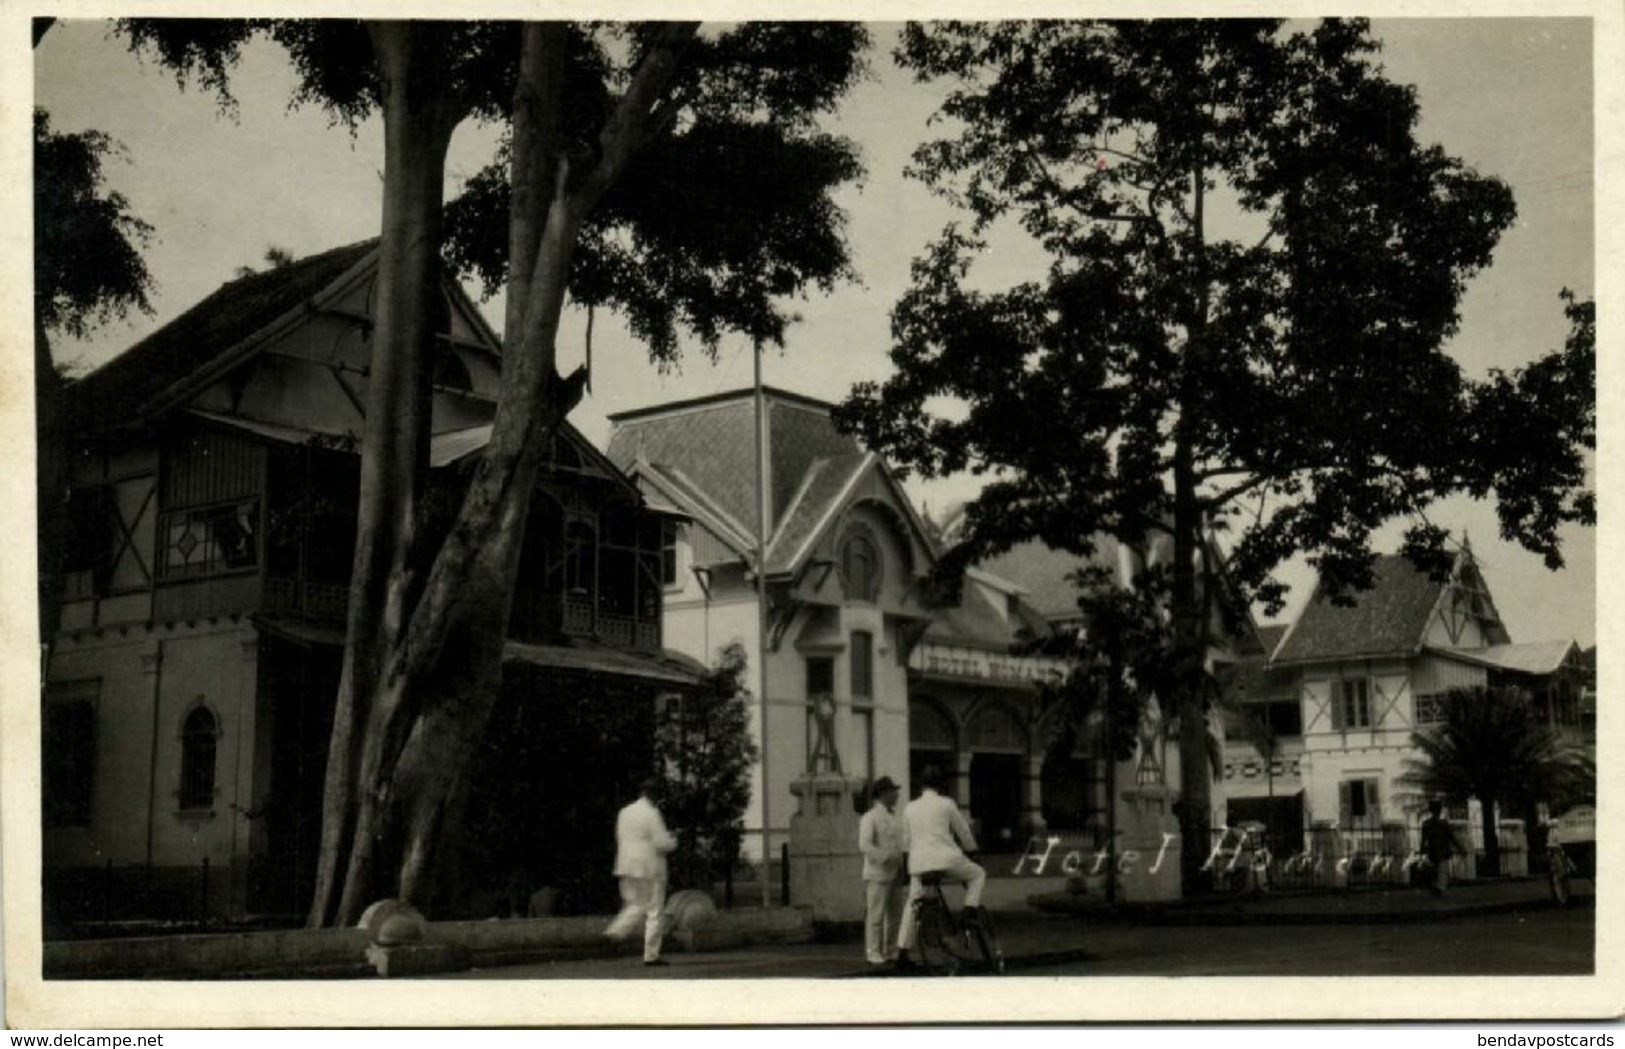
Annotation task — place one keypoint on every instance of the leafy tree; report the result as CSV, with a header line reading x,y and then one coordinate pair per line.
x,y
275,257
704,752
88,267
1491,746
594,111
1253,266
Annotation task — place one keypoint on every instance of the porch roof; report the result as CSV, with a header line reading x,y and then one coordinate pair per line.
x,y
666,666
1538,657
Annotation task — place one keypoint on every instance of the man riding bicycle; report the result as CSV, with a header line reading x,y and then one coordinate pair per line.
x,y
936,838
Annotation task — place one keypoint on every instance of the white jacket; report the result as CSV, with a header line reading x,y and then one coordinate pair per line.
x,y
931,825
881,840
641,842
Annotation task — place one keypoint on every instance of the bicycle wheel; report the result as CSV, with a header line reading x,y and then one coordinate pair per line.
x,y
934,939
985,939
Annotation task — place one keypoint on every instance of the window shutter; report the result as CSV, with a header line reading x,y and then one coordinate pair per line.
x,y
1334,689
1373,802
1345,803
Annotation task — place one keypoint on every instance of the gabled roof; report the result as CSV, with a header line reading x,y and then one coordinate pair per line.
x,y
1270,636
133,383
977,622
702,453
1389,619
712,440
1045,574
825,483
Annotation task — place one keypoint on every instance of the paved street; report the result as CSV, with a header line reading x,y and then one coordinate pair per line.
x,y
1538,942
1541,943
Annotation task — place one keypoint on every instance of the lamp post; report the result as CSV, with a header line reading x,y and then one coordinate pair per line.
x,y
761,614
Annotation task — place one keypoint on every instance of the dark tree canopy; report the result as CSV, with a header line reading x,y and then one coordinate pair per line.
x,y
1253,267
713,222
624,140
88,267
710,224
1295,369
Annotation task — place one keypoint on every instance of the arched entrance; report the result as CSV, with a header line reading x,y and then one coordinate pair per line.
x,y
998,748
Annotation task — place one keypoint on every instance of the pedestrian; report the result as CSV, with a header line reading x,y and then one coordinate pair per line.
x,y
880,838
936,838
1438,846
641,844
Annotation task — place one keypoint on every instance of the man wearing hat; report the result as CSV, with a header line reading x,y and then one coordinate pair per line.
x,y
880,838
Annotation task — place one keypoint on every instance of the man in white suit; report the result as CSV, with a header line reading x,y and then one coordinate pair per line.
x,y
937,838
641,844
880,839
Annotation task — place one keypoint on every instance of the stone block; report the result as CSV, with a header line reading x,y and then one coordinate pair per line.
x,y
416,959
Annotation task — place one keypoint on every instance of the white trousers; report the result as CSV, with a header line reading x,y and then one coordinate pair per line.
x,y
882,919
961,870
641,898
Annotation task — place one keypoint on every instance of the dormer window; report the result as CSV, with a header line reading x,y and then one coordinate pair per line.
x,y
860,564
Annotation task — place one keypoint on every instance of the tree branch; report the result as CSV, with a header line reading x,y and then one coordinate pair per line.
x,y
628,128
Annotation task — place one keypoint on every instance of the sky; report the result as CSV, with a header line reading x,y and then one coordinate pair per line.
x,y
1511,97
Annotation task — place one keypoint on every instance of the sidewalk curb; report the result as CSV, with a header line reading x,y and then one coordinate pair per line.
x,y
1200,915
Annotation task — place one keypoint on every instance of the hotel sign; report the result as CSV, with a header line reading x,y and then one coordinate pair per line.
x,y
974,665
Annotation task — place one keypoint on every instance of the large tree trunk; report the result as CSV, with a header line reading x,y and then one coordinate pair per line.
x,y
441,677
420,113
1187,600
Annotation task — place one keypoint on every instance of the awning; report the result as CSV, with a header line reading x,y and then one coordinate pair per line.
x,y
672,668
1539,658
299,631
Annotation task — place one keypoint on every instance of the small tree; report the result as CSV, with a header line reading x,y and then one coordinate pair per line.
x,y
1491,746
704,752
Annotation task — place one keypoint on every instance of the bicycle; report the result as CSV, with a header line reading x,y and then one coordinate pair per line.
x,y
1244,877
1560,871
947,939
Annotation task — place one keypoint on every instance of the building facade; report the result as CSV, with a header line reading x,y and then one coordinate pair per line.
x,y
1345,686
211,524
846,596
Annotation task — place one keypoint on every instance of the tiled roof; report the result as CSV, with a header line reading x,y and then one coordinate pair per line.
x,y
126,385
1044,573
1389,618
713,447
713,442
1270,635
826,479
799,436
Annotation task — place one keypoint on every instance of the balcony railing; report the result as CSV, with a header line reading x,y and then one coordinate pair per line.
x,y
324,602
542,617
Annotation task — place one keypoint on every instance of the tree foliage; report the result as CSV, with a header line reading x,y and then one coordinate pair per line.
x,y
1492,746
586,105
1253,266
88,267
704,755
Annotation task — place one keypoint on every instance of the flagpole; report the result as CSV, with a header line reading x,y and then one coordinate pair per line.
x,y
761,614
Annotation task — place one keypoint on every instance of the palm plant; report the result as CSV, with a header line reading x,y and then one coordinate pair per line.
x,y
1491,746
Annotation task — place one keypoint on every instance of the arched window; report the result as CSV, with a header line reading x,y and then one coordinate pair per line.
x,y
198,735
860,565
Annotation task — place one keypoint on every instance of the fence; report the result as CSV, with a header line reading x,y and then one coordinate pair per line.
x,y
92,899
1359,854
